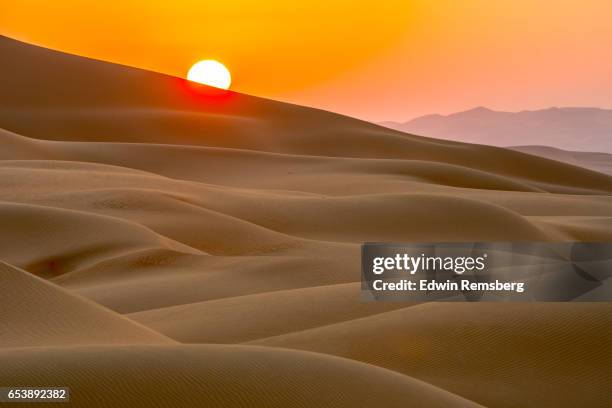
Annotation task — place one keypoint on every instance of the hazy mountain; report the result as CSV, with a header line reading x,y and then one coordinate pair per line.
x,y
581,129
601,162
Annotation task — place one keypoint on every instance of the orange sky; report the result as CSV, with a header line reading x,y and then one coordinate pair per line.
x,y
374,60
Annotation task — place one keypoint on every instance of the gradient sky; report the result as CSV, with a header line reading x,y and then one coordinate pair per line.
x,y
385,60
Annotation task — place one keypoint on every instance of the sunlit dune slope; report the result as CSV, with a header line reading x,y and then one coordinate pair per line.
x,y
140,213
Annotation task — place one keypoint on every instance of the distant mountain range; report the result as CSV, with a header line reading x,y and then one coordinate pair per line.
x,y
601,162
579,129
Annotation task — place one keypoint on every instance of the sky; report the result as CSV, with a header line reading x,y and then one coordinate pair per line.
x,y
384,60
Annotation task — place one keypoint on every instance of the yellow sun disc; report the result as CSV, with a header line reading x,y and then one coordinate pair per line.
x,y
210,72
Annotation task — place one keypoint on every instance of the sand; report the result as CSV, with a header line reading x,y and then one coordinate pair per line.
x,y
165,244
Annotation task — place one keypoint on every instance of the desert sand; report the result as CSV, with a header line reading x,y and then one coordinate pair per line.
x,y
165,244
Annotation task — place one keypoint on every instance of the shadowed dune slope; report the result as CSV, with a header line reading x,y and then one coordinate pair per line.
x,y
66,239
38,313
140,212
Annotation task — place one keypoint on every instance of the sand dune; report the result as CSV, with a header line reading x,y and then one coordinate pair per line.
x,y
216,376
66,240
562,347
37,313
139,209
243,318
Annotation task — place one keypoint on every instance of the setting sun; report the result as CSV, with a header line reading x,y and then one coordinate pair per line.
x,y
210,72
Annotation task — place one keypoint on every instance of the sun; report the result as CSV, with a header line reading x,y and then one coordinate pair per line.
x,y
210,72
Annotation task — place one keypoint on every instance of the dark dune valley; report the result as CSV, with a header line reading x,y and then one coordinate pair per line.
x,y
164,244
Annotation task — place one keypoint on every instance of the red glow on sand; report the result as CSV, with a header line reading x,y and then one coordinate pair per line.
x,y
203,94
